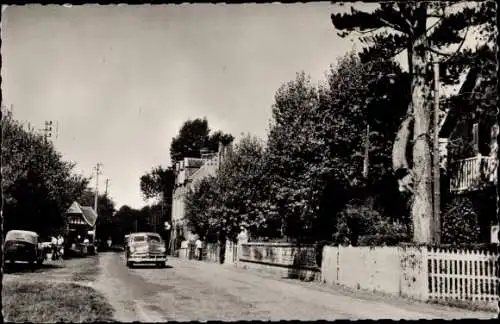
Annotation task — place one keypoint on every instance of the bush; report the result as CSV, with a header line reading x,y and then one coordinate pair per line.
x,y
382,239
460,222
361,224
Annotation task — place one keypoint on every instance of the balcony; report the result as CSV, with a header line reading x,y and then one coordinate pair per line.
x,y
473,173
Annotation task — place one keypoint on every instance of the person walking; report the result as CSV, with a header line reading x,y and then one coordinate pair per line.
x,y
198,245
60,245
53,242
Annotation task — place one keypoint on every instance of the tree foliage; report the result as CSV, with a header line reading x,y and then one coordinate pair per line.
x,y
193,136
397,26
223,204
158,183
37,185
317,141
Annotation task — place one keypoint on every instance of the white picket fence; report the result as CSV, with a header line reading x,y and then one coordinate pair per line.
x,y
462,275
422,273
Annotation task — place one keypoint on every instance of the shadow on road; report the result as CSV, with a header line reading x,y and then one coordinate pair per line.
x,y
150,266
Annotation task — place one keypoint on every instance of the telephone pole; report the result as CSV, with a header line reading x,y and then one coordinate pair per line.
x,y
107,183
437,172
97,170
366,161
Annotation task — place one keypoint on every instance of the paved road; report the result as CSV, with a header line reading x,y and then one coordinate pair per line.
x,y
192,290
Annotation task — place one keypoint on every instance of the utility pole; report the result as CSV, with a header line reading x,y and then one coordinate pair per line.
x,y
437,187
367,152
106,192
97,170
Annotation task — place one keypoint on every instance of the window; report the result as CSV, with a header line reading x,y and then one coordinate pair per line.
x,y
138,238
154,238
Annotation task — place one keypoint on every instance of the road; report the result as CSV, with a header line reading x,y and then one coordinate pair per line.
x,y
199,291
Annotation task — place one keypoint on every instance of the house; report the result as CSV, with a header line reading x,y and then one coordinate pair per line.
x,y
81,221
188,172
472,152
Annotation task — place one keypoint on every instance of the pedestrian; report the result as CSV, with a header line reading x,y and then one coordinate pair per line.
x,y
109,242
60,245
53,242
198,245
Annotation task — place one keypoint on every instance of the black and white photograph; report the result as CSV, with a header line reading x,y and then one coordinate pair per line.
x,y
249,161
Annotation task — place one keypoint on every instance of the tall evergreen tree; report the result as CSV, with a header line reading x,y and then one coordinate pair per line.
x,y
424,29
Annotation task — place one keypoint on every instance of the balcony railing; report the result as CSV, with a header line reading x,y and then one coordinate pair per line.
x,y
471,173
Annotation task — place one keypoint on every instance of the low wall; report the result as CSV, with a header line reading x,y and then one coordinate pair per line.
x,y
421,273
282,259
362,268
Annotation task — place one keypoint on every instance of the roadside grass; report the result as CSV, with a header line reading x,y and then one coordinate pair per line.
x,y
42,302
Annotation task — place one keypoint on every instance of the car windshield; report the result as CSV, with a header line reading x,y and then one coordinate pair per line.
x,y
138,238
154,238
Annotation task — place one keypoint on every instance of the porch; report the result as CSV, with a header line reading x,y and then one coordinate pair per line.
x,y
473,173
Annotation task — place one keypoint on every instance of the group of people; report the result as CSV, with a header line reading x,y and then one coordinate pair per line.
x,y
57,247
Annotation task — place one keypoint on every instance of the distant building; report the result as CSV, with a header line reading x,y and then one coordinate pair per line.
x,y
189,172
81,221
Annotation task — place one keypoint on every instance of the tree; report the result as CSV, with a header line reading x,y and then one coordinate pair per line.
x,y
232,199
193,136
37,185
159,183
124,221
316,143
200,204
398,26
294,153
243,188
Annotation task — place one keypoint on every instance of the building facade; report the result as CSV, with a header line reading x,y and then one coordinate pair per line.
x,y
189,172
472,168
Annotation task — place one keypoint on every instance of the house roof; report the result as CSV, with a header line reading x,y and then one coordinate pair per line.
x,y
74,209
460,106
88,213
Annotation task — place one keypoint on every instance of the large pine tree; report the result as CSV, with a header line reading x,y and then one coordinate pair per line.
x,y
424,30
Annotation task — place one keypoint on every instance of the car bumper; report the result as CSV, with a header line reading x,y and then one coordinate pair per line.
x,y
147,259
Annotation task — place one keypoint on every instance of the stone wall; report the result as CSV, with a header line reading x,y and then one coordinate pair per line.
x,y
282,259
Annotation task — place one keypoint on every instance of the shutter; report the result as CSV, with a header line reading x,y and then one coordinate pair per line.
x,y
475,138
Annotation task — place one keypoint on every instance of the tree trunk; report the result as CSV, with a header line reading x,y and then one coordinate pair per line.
x,y
421,211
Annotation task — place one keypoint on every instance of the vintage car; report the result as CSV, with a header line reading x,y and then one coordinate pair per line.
x,y
23,246
145,248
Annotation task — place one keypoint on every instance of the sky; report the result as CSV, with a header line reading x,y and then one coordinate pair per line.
x,y
120,80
